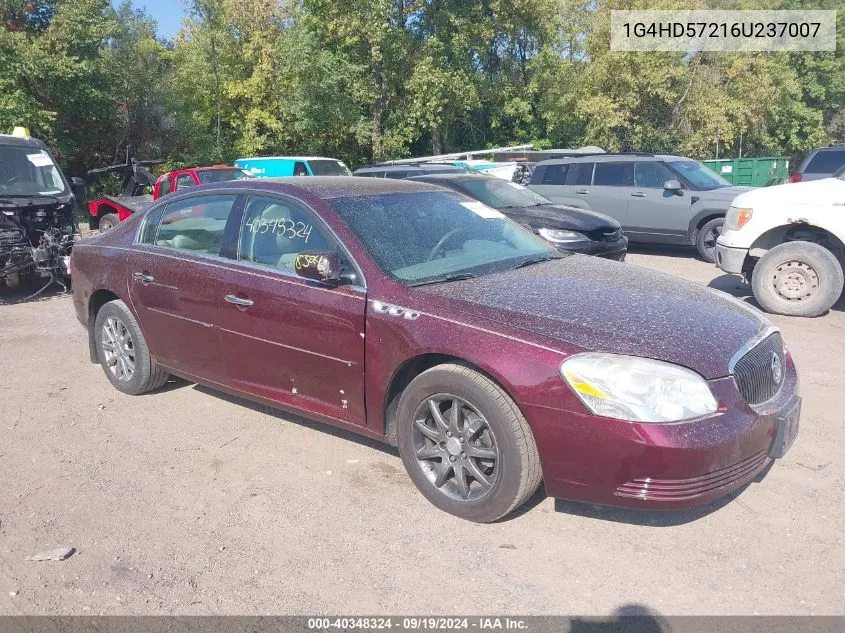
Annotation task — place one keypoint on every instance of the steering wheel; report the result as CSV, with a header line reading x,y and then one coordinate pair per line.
x,y
443,240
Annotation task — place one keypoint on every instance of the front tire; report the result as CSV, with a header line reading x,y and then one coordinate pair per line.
x,y
465,444
705,239
797,279
108,221
123,352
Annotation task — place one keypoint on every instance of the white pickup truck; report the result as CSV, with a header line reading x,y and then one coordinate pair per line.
x,y
789,242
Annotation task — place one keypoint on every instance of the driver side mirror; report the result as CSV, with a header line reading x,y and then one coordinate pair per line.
x,y
672,186
323,266
77,186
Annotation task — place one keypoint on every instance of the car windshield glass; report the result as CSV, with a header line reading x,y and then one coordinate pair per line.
x,y
26,171
500,194
222,175
840,174
328,168
429,235
698,175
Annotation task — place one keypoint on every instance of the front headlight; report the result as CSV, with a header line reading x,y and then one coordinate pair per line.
x,y
736,218
637,389
561,236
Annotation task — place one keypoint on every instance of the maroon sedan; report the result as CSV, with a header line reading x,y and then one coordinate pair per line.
x,y
415,315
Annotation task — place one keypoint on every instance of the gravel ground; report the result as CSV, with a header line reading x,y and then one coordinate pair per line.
x,y
185,501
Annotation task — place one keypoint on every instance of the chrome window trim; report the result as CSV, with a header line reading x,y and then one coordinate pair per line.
x,y
762,334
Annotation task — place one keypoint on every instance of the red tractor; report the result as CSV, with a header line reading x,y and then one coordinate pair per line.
x,y
107,211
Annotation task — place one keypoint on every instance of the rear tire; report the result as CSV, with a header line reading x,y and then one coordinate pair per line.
x,y
108,221
123,352
705,239
797,279
481,451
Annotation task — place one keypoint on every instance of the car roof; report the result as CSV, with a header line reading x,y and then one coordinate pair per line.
x,y
458,177
291,158
18,141
325,187
611,157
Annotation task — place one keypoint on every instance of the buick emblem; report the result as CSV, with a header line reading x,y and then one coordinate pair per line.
x,y
777,369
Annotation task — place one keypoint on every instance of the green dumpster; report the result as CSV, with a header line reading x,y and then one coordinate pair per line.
x,y
751,172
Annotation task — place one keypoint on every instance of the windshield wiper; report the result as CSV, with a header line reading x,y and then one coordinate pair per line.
x,y
443,280
536,260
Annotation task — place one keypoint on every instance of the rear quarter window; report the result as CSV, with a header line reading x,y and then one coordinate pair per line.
x,y
826,161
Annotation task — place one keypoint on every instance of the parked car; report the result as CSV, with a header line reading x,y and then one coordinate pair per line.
x,y
104,213
789,242
566,228
820,163
282,166
418,316
404,171
37,211
657,199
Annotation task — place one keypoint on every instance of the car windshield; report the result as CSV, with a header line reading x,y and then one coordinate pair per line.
x,y
698,175
222,175
25,171
328,168
840,174
500,194
428,235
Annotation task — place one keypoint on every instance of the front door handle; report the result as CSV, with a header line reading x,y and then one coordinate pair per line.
x,y
143,277
582,191
638,194
238,301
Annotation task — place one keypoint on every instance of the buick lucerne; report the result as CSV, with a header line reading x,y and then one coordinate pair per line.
x,y
426,319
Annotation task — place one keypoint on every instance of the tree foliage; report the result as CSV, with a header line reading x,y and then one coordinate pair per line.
x,y
375,79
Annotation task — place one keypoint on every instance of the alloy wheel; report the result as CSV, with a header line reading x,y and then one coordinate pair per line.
x,y
710,240
455,447
118,349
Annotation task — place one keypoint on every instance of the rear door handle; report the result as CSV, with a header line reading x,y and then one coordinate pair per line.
x,y
582,191
638,194
143,277
238,301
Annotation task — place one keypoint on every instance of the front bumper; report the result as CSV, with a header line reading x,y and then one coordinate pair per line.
x,y
615,250
730,259
659,466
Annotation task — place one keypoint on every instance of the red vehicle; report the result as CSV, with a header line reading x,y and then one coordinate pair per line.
x,y
418,316
106,212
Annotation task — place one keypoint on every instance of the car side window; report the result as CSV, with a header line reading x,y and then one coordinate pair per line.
x,y
183,181
555,175
651,175
164,186
276,230
299,169
614,175
196,224
580,174
397,175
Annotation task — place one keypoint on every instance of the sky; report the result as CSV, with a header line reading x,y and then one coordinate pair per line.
x,y
168,14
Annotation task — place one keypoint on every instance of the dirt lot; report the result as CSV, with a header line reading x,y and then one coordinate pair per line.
x,y
185,501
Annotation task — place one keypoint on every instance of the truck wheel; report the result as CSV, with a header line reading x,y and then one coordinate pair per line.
x,y
465,444
797,279
123,352
705,239
108,221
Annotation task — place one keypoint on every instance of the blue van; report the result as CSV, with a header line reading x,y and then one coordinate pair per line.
x,y
279,166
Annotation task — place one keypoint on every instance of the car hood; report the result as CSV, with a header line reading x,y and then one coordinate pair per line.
x,y
814,193
559,216
607,306
726,194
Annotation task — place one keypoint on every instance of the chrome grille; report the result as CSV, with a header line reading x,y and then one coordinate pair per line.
x,y
605,235
756,372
